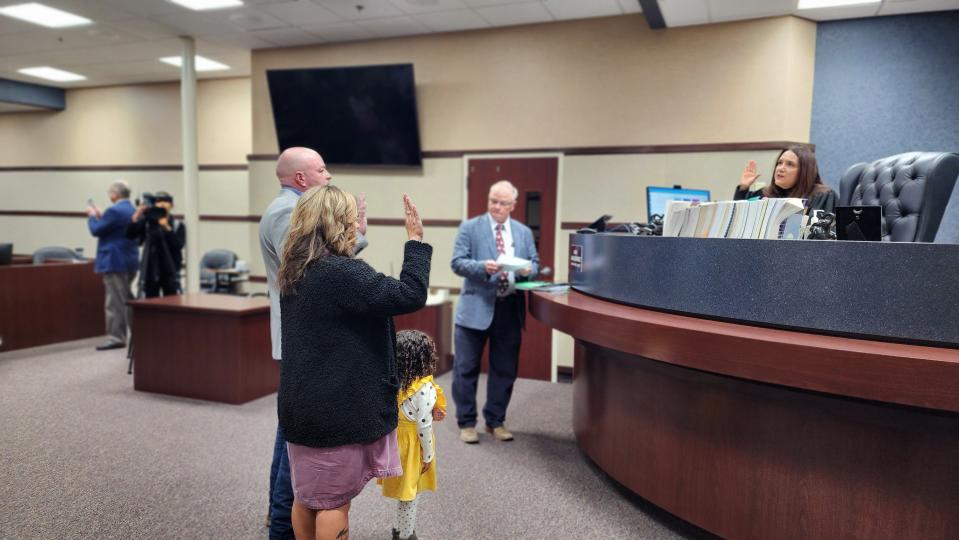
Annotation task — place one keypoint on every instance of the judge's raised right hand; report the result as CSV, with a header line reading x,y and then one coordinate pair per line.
x,y
749,175
414,225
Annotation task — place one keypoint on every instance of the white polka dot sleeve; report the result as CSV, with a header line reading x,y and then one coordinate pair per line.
x,y
419,408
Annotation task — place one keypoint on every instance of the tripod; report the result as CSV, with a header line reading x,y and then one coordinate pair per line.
x,y
144,271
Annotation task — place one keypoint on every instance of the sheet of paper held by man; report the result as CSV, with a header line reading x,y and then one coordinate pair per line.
x,y
512,264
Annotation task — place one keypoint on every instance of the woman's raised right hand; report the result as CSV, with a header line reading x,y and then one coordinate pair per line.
x,y
749,175
414,225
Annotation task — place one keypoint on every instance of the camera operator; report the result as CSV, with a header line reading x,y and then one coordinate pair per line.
x,y
162,238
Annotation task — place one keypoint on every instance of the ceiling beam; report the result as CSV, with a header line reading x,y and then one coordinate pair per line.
x,y
28,96
654,16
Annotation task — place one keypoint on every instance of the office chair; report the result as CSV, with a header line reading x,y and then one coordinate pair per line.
x,y
217,259
912,188
45,254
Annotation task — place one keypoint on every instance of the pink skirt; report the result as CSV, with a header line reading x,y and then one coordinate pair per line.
x,y
328,478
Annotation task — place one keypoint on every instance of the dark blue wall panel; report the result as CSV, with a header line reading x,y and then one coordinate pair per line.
x,y
883,86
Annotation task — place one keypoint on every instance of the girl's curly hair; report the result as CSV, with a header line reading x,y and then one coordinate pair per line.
x,y
415,356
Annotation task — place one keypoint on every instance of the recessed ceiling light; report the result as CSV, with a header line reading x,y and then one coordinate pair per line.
x,y
200,5
816,4
201,63
43,15
51,74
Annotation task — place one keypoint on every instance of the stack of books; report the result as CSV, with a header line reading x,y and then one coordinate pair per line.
x,y
766,219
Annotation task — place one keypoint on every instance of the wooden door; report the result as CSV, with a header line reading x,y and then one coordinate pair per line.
x,y
535,179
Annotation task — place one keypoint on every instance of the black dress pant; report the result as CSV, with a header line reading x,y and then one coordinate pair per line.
x,y
170,286
504,335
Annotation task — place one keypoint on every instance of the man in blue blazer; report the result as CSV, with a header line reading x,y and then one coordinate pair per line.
x,y
489,308
116,260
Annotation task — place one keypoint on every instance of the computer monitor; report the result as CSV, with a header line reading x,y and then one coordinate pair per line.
x,y
657,197
6,254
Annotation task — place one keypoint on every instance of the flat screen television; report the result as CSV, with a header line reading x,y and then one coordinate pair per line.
x,y
360,115
657,197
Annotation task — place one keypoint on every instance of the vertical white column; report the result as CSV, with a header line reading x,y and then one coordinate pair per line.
x,y
190,166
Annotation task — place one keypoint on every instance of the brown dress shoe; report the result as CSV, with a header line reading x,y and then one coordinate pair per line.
x,y
469,436
500,433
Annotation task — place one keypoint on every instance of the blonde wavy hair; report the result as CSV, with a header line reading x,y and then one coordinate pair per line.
x,y
323,224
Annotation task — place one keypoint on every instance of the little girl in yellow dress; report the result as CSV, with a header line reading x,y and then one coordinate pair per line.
x,y
420,400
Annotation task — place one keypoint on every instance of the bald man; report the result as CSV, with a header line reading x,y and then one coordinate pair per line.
x,y
298,169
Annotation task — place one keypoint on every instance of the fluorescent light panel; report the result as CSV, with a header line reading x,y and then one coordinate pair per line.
x,y
51,74
817,4
201,63
43,15
200,5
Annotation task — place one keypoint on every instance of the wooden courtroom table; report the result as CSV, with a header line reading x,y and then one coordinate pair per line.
x,y
205,346
217,347
752,432
49,303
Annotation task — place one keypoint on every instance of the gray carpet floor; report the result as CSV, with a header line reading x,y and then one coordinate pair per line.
x,y
83,455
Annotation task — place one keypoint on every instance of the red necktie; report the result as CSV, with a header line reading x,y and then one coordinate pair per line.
x,y
502,286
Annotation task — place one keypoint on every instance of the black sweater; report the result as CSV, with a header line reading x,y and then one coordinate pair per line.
x,y
338,380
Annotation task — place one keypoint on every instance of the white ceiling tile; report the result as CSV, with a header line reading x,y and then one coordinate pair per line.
x,y
197,24
393,27
484,3
630,6
848,12
239,40
684,12
144,8
372,9
578,9
345,31
148,29
287,37
300,13
731,10
452,21
513,14
917,6
413,7
253,19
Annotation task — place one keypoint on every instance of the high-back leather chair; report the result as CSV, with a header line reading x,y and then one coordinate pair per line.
x,y
215,259
912,188
44,254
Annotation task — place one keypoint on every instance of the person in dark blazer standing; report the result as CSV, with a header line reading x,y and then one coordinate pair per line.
x,y
116,260
489,308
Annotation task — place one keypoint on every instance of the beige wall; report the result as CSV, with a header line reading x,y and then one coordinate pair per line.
x,y
596,82
131,125
582,83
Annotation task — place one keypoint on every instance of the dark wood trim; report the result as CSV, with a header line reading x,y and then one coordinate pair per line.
x,y
41,213
131,168
224,304
252,218
912,375
223,217
257,279
599,150
654,16
397,222
564,370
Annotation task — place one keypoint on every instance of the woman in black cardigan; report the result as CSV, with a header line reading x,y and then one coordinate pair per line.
x,y
338,382
796,175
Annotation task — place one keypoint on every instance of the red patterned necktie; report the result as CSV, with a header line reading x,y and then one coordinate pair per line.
x,y
502,285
